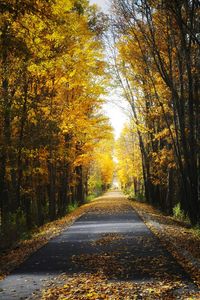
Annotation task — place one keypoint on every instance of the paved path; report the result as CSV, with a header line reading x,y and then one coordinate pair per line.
x,y
55,257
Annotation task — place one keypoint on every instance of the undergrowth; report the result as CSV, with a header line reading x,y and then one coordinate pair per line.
x,y
179,214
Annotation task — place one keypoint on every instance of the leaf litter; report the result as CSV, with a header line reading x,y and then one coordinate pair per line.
x,y
15,256
179,238
111,273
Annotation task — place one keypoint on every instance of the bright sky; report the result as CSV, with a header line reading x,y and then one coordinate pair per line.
x,y
104,4
112,108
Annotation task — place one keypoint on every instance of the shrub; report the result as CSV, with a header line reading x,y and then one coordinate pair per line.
x,y
178,213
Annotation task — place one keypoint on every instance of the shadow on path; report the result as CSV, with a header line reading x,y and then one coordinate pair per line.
x,y
117,243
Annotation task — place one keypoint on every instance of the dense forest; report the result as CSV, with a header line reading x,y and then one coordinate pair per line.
x,y
56,144
157,66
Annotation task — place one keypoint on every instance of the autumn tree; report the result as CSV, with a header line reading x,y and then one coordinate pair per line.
x,y
158,69
101,169
52,81
129,162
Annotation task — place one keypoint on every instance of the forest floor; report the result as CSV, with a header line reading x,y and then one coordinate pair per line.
x,y
180,239
113,249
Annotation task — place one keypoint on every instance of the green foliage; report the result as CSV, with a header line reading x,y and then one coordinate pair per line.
x,y
130,192
140,197
90,197
178,213
71,207
132,195
196,230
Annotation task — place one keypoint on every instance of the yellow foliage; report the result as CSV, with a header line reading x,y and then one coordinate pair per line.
x,y
129,167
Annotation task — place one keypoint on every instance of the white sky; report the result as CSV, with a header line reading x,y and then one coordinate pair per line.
x,y
112,108
104,4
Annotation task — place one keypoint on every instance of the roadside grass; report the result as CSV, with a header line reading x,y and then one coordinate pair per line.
x,y
72,206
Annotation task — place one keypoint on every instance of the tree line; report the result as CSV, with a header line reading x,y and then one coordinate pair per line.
x,y
52,74
157,66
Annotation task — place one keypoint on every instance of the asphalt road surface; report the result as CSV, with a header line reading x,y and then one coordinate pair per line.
x,y
56,256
